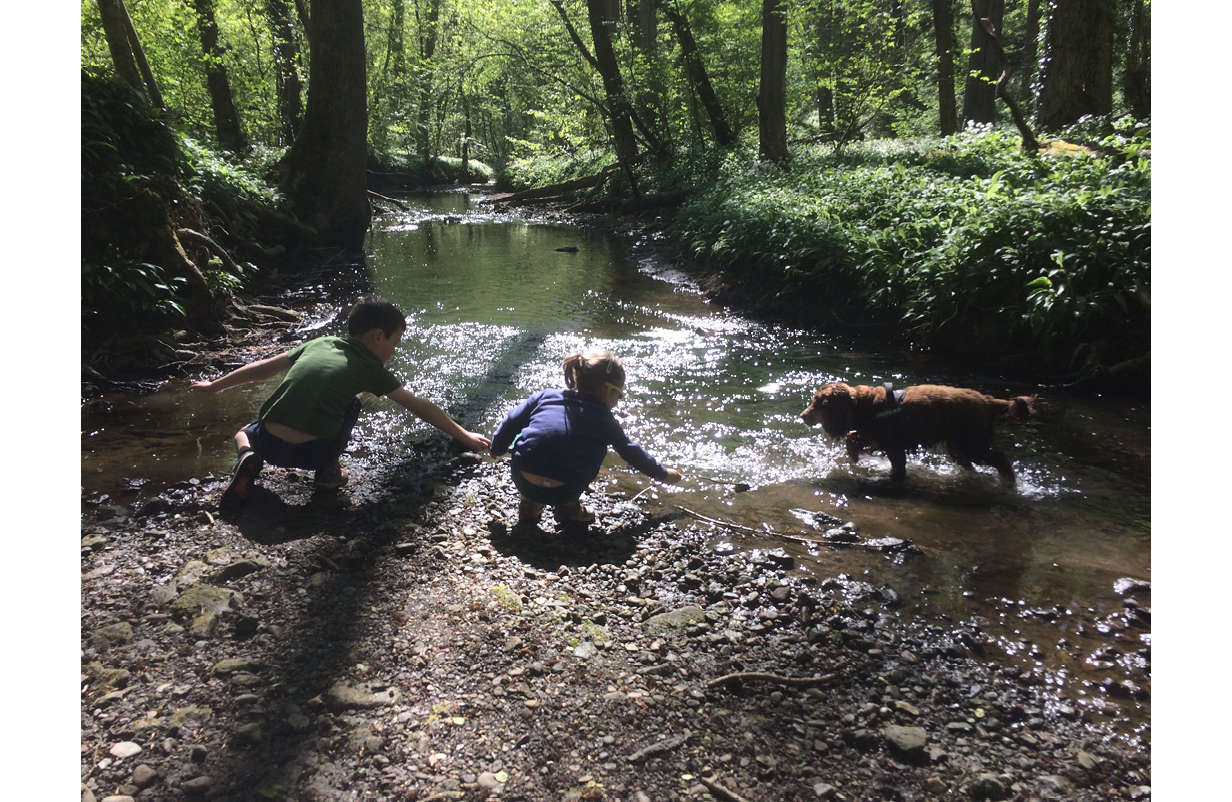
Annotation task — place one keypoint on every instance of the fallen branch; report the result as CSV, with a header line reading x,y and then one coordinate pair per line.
x,y
721,792
794,682
659,747
554,190
379,196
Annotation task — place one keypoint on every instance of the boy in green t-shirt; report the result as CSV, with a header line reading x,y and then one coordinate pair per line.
x,y
307,421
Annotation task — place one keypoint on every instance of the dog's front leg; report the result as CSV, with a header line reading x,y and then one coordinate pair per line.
x,y
898,463
854,444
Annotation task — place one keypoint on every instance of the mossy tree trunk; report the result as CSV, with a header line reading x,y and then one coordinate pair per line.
x,y
943,35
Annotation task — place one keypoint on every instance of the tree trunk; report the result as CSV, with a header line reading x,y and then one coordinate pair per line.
x,y
695,69
226,118
772,90
1030,54
644,24
117,42
1077,77
288,87
980,94
1136,83
943,35
613,86
323,174
126,52
427,49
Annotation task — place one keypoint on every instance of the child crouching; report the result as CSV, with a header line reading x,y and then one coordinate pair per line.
x,y
559,438
307,421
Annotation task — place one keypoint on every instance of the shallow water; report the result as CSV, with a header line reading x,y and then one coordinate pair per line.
x,y
492,309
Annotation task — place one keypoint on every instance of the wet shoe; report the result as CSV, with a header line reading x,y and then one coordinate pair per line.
x,y
574,513
331,481
529,512
247,469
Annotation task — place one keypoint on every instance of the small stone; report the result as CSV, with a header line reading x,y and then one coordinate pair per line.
x,y
197,785
250,733
824,790
987,787
906,707
118,798
935,786
584,650
125,749
144,776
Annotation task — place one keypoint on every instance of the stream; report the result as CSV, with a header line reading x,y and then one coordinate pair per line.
x,y
494,304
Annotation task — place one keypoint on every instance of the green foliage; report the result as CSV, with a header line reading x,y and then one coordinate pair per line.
x,y
541,170
435,171
959,239
224,178
121,131
126,295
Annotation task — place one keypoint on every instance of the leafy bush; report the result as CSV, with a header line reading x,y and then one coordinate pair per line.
x,y
965,242
433,172
126,295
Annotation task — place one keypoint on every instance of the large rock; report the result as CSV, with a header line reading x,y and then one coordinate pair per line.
x,y
908,742
343,696
205,599
675,618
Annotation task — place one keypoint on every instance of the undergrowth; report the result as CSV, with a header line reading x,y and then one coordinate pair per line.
x,y
963,242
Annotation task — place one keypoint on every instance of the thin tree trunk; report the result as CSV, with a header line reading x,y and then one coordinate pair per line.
x,y
943,34
1077,77
695,69
980,94
1030,53
613,85
1136,83
226,118
644,23
772,90
117,42
323,174
143,65
288,87
427,49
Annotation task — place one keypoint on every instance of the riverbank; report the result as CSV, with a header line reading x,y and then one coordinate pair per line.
x,y
401,640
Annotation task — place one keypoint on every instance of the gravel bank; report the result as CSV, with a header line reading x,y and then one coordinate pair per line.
x,y
401,640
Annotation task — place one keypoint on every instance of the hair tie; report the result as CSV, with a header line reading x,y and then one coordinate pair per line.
x,y
610,360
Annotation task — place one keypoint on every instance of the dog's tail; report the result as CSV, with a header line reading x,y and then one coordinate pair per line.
x,y
1020,408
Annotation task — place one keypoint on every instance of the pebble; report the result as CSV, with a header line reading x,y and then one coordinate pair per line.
x,y
125,749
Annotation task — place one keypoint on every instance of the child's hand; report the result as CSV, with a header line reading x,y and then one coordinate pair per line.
x,y
205,387
673,476
477,442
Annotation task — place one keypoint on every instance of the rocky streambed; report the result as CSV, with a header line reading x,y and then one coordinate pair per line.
x,y
402,640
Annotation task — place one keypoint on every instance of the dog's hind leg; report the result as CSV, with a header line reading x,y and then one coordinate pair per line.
x,y
958,454
998,460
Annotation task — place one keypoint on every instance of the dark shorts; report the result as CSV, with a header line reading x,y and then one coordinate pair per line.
x,y
552,496
314,455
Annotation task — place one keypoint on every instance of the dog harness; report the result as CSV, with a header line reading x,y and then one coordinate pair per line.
x,y
893,402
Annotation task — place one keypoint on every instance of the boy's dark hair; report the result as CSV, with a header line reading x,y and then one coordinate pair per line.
x,y
374,312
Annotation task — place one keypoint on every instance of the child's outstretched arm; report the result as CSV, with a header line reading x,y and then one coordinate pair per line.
x,y
428,412
252,372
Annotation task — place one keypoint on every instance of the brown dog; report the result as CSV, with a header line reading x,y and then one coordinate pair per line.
x,y
870,418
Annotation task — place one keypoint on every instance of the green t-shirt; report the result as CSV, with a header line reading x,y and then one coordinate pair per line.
x,y
325,375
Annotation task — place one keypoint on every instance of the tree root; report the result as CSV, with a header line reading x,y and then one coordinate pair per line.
x,y
658,747
197,238
719,792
